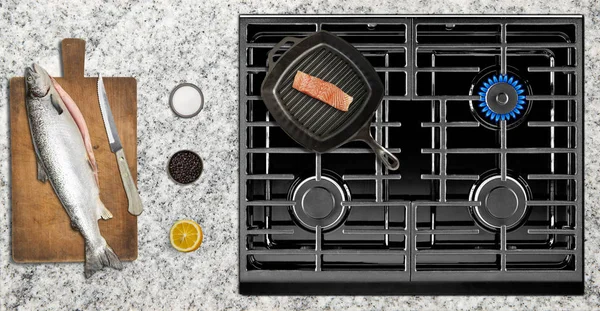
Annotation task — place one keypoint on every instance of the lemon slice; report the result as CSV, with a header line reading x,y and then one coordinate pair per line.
x,y
186,235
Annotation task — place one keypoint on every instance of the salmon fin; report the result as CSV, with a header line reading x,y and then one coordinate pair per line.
x,y
81,125
100,257
41,172
103,212
55,104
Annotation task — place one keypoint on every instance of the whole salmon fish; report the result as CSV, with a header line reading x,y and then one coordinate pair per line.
x,y
65,158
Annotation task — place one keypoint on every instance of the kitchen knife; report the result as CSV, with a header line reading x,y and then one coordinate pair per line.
x,y
135,203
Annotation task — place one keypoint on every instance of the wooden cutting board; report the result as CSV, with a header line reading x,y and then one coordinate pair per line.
x,y
41,229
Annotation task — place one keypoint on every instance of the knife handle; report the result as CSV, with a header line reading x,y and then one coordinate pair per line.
x,y
135,203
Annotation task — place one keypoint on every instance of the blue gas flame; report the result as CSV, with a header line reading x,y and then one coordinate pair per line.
x,y
516,84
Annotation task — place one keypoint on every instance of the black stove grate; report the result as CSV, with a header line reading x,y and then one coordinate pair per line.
x,y
419,228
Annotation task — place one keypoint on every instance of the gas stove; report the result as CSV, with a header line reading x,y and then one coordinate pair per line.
x,y
485,114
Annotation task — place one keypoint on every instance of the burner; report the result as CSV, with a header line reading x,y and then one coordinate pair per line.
x,y
502,97
319,202
502,202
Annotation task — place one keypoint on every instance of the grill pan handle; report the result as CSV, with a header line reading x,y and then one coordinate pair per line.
x,y
270,62
388,159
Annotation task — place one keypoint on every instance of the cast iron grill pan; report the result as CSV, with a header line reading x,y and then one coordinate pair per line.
x,y
316,125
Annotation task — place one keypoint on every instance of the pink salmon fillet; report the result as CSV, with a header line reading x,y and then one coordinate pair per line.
x,y
322,90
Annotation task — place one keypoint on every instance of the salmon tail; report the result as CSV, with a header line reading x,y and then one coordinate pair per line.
x,y
100,257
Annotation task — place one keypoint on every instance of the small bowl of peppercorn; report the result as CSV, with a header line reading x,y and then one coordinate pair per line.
x,y
185,167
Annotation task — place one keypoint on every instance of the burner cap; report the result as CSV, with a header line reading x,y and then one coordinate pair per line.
x,y
319,202
503,203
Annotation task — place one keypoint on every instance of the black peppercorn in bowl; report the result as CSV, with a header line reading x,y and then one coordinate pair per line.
x,y
184,167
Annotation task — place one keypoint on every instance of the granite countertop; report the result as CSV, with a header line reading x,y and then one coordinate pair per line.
x,y
162,44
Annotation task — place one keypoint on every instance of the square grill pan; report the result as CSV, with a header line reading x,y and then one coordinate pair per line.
x,y
310,122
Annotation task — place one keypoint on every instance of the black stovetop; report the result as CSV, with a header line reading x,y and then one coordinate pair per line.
x,y
480,205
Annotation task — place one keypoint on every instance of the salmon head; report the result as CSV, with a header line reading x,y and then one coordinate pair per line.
x,y
37,81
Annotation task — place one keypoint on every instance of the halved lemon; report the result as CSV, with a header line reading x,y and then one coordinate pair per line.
x,y
186,235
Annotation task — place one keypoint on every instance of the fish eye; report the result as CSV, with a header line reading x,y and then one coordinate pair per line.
x,y
29,78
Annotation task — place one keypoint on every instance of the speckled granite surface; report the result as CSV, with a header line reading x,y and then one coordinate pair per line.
x,y
163,43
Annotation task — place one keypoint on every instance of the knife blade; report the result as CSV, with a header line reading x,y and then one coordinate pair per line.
x,y
135,203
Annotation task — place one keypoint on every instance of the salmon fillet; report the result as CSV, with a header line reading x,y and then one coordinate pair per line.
x,y
322,90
